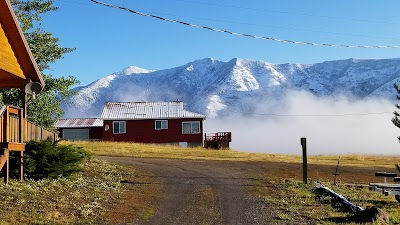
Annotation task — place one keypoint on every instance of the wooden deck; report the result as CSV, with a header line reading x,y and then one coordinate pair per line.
x,y
218,140
14,132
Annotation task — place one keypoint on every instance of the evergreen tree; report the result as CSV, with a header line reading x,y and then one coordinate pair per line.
x,y
45,109
47,159
396,118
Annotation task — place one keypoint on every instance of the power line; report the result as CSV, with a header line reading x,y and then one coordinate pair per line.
x,y
319,115
252,24
243,34
292,13
74,2
276,27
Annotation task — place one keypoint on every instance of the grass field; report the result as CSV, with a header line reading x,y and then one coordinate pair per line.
x,y
97,196
281,185
176,152
83,199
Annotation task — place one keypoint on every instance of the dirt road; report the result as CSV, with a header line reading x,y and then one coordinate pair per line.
x,y
205,192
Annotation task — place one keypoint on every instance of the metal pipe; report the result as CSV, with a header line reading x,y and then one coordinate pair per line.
x,y
353,207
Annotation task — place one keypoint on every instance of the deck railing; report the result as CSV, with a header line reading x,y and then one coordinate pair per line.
x,y
11,124
37,133
12,127
15,130
220,136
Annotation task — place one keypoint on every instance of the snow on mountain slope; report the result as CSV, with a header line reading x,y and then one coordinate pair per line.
x,y
215,88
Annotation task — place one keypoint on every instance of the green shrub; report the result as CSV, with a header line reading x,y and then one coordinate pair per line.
x,y
44,159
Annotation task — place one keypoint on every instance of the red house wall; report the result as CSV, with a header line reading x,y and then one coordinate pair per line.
x,y
95,133
144,131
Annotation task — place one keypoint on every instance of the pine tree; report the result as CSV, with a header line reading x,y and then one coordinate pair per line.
x,y
45,109
396,118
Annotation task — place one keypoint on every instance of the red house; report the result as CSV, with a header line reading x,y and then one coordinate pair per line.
x,y
144,122
152,122
80,129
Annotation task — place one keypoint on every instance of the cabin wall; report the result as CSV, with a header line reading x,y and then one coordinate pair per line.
x,y
8,60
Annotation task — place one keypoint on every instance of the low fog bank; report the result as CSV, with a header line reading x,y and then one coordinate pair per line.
x,y
332,125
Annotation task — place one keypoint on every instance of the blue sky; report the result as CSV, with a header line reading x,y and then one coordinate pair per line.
x,y
108,40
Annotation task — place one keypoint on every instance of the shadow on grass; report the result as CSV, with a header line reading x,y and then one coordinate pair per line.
x,y
348,219
384,204
336,204
186,183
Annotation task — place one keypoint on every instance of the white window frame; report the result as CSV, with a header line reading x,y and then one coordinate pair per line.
x,y
191,127
123,123
161,121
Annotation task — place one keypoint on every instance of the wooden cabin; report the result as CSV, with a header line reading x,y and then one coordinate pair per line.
x,y
152,122
17,69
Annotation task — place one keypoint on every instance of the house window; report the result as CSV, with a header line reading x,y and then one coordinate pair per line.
x,y
161,124
191,127
119,127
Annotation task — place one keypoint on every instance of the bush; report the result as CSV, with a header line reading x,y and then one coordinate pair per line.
x,y
44,159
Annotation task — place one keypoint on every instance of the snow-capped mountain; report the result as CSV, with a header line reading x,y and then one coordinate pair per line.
x,y
214,88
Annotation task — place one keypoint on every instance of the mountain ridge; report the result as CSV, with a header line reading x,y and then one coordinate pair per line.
x,y
216,88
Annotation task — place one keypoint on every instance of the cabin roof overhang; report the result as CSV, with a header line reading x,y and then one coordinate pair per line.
x,y
20,48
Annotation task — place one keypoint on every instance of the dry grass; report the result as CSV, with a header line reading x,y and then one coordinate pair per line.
x,y
83,199
280,186
176,152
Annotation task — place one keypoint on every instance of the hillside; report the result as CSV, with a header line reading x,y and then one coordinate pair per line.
x,y
216,88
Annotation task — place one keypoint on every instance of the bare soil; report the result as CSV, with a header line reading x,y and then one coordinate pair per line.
x,y
176,191
201,192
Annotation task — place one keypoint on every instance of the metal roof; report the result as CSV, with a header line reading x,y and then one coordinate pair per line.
x,y
79,123
146,110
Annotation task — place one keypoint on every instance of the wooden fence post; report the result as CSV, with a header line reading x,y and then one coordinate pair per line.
x,y
304,145
21,165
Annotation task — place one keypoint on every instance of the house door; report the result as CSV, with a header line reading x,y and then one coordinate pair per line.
x,y
75,134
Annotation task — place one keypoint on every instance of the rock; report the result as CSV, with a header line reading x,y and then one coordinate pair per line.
x,y
372,214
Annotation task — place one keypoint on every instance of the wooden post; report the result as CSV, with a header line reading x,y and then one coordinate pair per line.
x,y
304,145
21,126
24,131
23,134
21,165
6,167
336,171
6,125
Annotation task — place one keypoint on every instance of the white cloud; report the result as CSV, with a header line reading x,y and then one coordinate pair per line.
x,y
339,133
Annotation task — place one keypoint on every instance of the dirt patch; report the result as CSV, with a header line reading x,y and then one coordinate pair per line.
x,y
141,193
232,192
204,192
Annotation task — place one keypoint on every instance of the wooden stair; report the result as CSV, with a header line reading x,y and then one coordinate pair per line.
x,y
5,149
4,157
4,161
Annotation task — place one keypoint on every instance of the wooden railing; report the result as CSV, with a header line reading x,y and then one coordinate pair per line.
x,y
11,124
15,130
220,136
37,133
12,127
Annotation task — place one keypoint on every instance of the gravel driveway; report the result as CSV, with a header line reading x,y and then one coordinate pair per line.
x,y
205,192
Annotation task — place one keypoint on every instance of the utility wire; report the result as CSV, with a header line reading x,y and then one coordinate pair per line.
x,y
292,13
243,34
319,115
253,24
